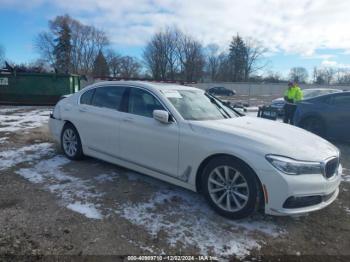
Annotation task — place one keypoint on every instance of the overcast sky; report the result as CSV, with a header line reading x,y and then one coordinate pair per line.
x,y
297,33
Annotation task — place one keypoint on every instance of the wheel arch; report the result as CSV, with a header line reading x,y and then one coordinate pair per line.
x,y
65,124
209,158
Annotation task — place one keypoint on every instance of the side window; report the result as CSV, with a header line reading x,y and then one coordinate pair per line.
x,y
143,103
108,96
343,100
86,98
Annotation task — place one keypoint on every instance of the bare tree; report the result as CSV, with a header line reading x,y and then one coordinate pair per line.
x,y
114,62
86,42
172,38
273,77
298,74
324,75
225,67
212,61
129,67
155,57
160,54
191,57
342,76
255,52
44,44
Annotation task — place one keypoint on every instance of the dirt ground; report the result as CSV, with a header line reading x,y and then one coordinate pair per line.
x,y
52,206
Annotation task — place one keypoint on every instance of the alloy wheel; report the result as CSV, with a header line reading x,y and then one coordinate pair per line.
x,y
70,142
228,188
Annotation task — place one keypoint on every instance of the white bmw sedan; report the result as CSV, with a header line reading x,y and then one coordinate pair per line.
x,y
188,138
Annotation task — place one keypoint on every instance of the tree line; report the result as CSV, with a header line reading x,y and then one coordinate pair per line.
x,y
320,75
69,46
72,47
173,55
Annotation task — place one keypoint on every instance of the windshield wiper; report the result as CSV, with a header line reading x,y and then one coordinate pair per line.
x,y
213,100
231,107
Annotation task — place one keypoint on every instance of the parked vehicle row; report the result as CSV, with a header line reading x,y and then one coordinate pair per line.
x,y
279,103
187,137
327,116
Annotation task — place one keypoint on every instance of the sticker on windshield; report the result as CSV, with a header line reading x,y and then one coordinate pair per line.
x,y
172,94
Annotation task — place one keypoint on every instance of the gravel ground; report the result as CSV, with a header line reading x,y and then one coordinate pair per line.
x,y
50,205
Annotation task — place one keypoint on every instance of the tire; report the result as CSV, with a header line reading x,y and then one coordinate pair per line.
x,y
71,143
314,125
239,198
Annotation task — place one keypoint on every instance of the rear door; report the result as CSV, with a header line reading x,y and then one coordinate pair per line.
x,y
339,116
145,141
99,119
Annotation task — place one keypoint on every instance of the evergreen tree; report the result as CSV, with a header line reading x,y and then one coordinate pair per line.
x,y
238,58
63,47
101,68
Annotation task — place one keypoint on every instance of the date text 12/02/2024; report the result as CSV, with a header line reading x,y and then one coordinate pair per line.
x,y
172,258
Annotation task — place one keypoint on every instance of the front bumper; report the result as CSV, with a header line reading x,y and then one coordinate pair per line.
x,y
303,210
302,187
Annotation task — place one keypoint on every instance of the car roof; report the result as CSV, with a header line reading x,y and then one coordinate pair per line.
x,y
314,89
148,85
328,95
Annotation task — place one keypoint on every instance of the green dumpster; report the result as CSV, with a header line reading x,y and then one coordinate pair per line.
x,y
36,88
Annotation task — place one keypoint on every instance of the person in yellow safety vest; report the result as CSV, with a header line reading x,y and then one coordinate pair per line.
x,y
292,95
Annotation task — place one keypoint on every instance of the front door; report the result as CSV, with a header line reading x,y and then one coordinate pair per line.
x,y
145,141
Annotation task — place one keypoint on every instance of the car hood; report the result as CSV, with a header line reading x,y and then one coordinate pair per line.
x,y
268,137
278,100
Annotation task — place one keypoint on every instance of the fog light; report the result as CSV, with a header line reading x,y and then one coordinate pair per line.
x,y
297,202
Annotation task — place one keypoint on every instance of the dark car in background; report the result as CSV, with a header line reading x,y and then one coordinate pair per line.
x,y
221,91
327,116
279,103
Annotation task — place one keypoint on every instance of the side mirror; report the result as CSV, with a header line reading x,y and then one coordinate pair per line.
x,y
161,116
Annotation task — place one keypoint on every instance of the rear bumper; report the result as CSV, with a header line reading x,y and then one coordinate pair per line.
x,y
279,108
55,126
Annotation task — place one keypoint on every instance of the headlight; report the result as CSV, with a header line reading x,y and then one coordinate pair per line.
x,y
294,167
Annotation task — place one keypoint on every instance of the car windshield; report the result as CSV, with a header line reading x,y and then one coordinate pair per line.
x,y
197,105
310,93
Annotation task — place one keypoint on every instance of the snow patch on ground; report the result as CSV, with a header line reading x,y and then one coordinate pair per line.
x,y
347,210
45,169
184,216
11,158
74,193
11,109
3,140
19,121
186,219
346,175
88,210
105,178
